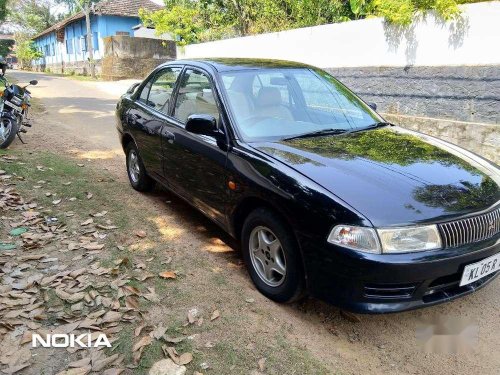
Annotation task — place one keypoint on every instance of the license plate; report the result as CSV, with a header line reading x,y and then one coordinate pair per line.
x,y
12,105
476,271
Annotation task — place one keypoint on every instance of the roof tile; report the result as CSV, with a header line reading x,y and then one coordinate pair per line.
x,y
124,8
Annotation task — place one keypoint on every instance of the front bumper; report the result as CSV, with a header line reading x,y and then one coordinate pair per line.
x,y
376,283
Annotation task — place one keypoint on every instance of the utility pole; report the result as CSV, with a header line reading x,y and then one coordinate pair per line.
x,y
87,8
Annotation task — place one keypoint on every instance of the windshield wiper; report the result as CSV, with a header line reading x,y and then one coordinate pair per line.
x,y
380,124
376,125
316,133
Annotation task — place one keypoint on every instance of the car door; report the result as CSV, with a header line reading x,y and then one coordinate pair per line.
x,y
195,164
146,118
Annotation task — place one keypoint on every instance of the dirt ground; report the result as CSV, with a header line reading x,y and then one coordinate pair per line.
x,y
75,122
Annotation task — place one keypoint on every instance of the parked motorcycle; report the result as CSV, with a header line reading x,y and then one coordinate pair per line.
x,y
14,105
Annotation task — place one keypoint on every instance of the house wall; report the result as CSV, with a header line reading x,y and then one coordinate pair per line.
x,y
70,55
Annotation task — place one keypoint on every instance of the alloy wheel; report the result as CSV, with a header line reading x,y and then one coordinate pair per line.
x,y
267,256
133,166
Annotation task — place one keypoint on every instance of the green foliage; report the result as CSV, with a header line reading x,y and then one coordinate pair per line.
x,y
399,12
192,21
31,16
3,10
447,9
402,12
6,47
26,52
183,22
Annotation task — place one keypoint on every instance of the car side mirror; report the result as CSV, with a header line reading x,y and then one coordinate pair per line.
x,y
34,82
202,124
132,88
372,106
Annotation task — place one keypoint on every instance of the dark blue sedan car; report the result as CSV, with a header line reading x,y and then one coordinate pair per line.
x,y
323,194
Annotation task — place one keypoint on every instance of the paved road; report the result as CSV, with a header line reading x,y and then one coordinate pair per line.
x,y
83,108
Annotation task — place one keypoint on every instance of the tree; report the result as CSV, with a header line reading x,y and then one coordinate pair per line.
x,y
31,16
26,51
191,21
3,10
71,5
6,47
86,6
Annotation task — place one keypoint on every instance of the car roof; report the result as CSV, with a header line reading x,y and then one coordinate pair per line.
x,y
228,64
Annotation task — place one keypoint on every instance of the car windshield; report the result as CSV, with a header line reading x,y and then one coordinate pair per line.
x,y
273,104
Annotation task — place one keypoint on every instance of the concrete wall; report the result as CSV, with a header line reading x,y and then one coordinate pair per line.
x,y
463,93
70,55
129,57
145,32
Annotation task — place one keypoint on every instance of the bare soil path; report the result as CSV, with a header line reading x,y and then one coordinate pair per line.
x,y
77,122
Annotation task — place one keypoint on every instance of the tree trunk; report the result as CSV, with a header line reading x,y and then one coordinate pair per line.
x,y
90,47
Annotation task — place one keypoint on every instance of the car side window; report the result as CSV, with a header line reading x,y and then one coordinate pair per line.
x,y
195,96
158,91
162,88
145,93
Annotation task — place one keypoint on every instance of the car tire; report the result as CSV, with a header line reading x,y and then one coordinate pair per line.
x,y
260,230
136,172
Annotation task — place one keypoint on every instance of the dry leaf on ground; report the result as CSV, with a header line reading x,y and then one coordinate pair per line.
x,y
215,315
168,275
145,341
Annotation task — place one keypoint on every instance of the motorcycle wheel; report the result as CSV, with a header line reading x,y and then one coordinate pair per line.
x,y
8,131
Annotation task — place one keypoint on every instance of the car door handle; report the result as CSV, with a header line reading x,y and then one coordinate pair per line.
x,y
169,135
134,117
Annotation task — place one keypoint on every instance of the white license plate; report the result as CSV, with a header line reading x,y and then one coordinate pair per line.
x,y
12,105
476,271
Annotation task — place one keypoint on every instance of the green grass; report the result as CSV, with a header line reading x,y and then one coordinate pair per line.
x,y
73,75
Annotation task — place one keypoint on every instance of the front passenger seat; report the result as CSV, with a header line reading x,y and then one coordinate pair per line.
x,y
268,104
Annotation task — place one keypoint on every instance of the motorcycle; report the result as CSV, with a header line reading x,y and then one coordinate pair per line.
x,y
14,106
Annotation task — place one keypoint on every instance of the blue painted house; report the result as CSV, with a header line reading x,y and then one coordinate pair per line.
x,y
64,45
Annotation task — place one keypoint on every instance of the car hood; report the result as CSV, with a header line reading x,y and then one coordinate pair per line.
x,y
393,176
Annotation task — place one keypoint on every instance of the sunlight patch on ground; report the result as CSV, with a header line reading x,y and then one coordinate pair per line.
x,y
216,245
97,154
167,231
68,110
142,246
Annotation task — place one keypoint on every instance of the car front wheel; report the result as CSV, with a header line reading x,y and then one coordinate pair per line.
x,y
272,256
137,175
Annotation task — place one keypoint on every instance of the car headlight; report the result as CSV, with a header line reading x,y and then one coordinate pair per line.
x,y
356,238
408,239
388,241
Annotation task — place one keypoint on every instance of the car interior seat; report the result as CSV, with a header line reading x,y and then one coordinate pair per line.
x,y
269,104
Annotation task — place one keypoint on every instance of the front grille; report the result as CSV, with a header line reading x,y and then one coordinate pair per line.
x,y
471,229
